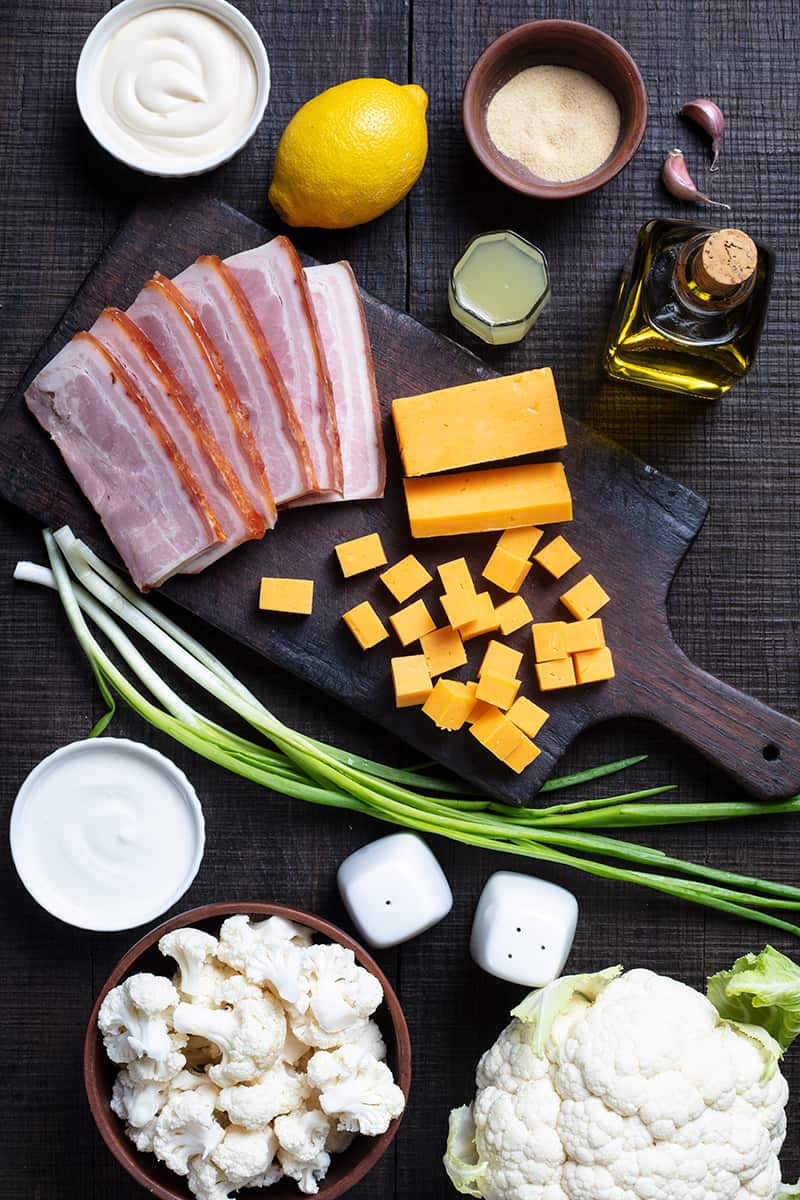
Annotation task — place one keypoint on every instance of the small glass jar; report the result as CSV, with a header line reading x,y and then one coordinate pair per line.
x,y
499,287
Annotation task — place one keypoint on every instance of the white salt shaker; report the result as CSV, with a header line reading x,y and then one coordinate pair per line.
x,y
394,889
523,928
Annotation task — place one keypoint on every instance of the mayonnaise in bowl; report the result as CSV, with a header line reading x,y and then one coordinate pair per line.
x,y
173,88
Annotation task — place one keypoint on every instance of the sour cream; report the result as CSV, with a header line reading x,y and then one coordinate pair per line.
x,y
107,834
172,90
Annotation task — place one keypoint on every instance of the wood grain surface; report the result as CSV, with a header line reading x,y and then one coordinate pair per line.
x,y
733,608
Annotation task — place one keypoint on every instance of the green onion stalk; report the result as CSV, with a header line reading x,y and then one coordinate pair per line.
x,y
295,765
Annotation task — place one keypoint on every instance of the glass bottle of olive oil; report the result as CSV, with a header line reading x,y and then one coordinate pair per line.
x,y
690,308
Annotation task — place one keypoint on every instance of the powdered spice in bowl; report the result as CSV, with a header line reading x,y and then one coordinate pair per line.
x,y
555,108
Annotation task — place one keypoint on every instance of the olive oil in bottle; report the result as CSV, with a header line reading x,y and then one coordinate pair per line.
x,y
690,308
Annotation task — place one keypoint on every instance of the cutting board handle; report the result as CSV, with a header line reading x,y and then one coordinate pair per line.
x,y
754,744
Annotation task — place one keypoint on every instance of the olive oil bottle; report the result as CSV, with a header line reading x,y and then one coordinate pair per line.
x,y
690,309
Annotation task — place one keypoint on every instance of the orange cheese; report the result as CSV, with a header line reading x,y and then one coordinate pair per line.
x,y
506,570
365,625
455,576
449,704
479,707
460,607
443,650
478,501
499,690
412,622
585,598
557,674
485,622
548,640
557,557
286,595
522,541
512,615
583,635
405,578
522,756
412,680
479,422
499,735
593,666
527,716
360,554
503,660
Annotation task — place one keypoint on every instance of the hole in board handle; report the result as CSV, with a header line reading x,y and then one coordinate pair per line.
x,y
771,752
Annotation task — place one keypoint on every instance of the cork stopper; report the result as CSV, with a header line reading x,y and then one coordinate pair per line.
x,y
727,260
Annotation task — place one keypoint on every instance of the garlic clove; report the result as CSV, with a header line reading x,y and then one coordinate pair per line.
x,y
679,183
708,116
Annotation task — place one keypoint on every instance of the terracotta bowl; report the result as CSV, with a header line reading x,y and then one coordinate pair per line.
x,y
346,1169
559,43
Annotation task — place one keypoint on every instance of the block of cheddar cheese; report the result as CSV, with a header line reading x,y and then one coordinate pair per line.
x,y
480,501
286,595
487,421
365,625
405,578
411,622
412,680
360,554
449,704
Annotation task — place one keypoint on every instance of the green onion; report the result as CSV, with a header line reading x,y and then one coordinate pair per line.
x,y
416,798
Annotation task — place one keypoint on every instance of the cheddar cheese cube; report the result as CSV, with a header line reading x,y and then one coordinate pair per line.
x,y
557,557
460,607
412,680
557,674
485,622
443,650
522,756
480,501
479,422
449,704
479,707
527,716
286,595
499,735
506,570
522,541
501,659
593,666
455,576
360,554
412,622
512,615
585,598
548,641
499,690
583,635
405,578
365,625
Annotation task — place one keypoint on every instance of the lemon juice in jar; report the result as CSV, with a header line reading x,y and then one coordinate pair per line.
x,y
499,287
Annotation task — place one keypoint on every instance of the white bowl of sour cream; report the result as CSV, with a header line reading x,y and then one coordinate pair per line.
x,y
173,87
107,834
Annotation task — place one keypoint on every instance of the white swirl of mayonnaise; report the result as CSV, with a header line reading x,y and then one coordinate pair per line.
x,y
172,84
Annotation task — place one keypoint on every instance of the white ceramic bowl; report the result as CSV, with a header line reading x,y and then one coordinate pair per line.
x,y
41,843
118,16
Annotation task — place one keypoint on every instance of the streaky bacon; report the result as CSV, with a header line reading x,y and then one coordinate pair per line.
x,y
215,295
271,277
124,461
345,341
167,318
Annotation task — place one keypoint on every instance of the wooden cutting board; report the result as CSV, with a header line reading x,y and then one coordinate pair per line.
x,y
632,525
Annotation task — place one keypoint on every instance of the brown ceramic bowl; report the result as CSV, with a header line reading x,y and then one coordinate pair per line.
x,y
565,44
346,1169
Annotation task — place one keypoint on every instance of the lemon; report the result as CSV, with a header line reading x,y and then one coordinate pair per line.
x,y
350,154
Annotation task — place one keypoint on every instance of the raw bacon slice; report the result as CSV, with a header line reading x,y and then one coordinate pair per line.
x,y
215,295
180,417
345,342
271,277
164,314
124,461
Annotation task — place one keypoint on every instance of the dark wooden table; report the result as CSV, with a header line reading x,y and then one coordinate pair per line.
x,y
734,607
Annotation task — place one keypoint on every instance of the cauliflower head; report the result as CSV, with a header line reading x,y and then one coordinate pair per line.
x,y
622,1087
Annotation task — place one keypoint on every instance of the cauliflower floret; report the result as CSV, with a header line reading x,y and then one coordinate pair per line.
x,y
134,1019
249,1033
356,1089
137,1101
244,1154
307,1175
146,1070
279,1090
142,1138
340,996
303,1133
199,974
268,951
186,1127
207,1182
294,1051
